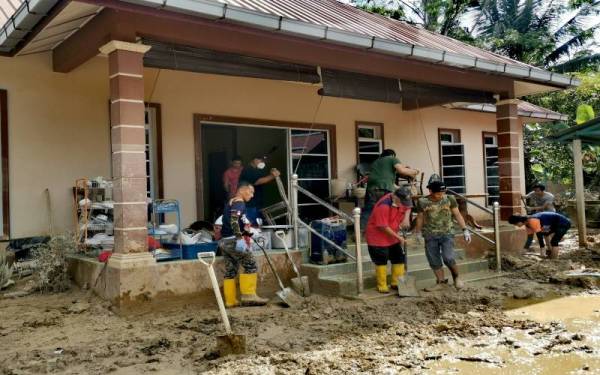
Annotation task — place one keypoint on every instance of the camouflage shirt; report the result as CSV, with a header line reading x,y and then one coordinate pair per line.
x,y
437,216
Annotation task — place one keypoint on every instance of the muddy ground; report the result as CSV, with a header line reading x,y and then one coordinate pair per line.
x,y
74,332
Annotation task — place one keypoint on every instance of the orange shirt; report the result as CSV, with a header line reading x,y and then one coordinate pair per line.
x,y
533,226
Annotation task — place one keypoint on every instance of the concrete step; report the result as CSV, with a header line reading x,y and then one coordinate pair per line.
x,y
415,260
344,284
372,293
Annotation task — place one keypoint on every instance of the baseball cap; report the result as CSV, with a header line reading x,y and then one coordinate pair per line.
x,y
403,193
436,186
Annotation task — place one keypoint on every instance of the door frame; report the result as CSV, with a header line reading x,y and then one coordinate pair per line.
x,y
199,119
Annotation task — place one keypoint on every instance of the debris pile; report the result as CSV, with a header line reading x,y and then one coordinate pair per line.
x,y
6,270
51,274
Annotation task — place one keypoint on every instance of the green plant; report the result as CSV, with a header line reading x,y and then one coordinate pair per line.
x,y
6,271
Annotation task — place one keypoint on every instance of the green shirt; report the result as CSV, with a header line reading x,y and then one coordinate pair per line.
x,y
437,216
383,174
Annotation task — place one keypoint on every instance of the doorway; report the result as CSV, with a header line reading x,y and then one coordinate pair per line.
x,y
221,142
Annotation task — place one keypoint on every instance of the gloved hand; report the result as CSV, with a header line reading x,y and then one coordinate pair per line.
x,y
241,245
467,235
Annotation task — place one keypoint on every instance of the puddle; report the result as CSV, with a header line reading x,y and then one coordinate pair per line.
x,y
516,303
491,355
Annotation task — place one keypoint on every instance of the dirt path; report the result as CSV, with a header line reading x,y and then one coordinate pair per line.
x,y
73,333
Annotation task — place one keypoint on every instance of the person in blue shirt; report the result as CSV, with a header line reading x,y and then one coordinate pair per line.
x,y
235,246
544,224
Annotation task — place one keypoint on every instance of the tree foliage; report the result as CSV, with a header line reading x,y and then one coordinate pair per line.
x,y
538,33
549,161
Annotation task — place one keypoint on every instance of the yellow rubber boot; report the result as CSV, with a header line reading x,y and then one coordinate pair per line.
x,y
381,273
397,271
230,293
248,291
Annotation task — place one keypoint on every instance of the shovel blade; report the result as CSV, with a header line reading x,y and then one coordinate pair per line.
x,y
407,286
289,298
231,344
301,286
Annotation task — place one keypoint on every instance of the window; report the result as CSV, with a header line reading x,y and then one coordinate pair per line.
x,y
452,160
309,156
490,162
151,156
369,143
4,201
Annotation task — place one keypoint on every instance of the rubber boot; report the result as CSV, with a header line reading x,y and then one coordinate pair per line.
x,y
230,293
381,273
397,271
248,291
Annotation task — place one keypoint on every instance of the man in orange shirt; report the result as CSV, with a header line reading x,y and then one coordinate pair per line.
x,y
544,224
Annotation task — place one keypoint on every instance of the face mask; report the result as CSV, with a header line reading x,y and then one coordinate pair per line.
x,y
261,165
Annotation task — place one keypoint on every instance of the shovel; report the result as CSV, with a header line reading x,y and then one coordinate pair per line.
x,y
407,284
287,296
228,343
299,283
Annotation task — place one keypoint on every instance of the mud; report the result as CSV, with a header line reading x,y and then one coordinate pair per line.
x,y
467,331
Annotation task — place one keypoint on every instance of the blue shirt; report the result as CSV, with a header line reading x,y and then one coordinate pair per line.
x,y
551,220
237,208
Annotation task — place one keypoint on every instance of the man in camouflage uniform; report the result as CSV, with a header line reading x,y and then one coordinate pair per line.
x,y
434,217
236,251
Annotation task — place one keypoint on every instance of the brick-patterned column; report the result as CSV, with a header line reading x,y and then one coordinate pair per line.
x,y
508,128
125,62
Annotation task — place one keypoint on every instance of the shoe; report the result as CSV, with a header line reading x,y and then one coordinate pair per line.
x,y
458,283
381,274
230,293
440,285
397,272
248,295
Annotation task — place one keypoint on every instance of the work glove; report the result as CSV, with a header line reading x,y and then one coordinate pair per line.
x,y
241,245
467,235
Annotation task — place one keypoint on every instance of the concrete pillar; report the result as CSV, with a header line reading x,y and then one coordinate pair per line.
x,y
508,128
125,61
579,192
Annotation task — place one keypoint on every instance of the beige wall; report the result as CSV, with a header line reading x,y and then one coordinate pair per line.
x,y
59,129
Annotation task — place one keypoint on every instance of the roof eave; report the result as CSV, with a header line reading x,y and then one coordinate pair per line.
x,y
23,22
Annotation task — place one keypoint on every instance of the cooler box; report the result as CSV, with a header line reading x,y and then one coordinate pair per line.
x,y
334,230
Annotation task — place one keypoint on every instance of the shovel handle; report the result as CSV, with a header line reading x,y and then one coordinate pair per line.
x,y
208,255
215,285
280,234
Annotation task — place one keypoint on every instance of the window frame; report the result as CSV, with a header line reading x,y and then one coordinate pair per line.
x,y
5,164
485,146
456,135
369,125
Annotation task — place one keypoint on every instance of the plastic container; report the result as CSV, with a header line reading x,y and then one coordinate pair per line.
x,y
191,251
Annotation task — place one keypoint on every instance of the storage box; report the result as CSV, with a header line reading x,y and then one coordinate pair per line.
x,y
191,251
322,252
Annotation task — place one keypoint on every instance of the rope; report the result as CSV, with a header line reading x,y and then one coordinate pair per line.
x,y
314,118
424,133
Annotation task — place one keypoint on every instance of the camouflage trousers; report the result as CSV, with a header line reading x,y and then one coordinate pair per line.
x,y
234,259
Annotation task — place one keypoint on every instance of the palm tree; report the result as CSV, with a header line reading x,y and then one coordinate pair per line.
x,y
536,32
441,16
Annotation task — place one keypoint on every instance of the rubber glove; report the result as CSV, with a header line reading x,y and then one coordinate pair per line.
x,y
467,235
241,245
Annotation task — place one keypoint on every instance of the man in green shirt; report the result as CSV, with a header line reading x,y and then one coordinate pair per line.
x,y
434,217
382,180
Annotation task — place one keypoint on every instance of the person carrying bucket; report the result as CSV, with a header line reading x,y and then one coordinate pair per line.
x,y
390,213
236,251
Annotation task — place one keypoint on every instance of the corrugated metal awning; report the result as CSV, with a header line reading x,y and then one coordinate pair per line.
x,y
526,109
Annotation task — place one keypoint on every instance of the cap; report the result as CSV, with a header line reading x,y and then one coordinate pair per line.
x,y
436,186
403,193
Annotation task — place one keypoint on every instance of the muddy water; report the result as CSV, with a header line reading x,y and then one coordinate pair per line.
x,y
525,355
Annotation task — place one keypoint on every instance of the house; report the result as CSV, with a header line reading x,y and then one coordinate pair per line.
x,y
159,94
